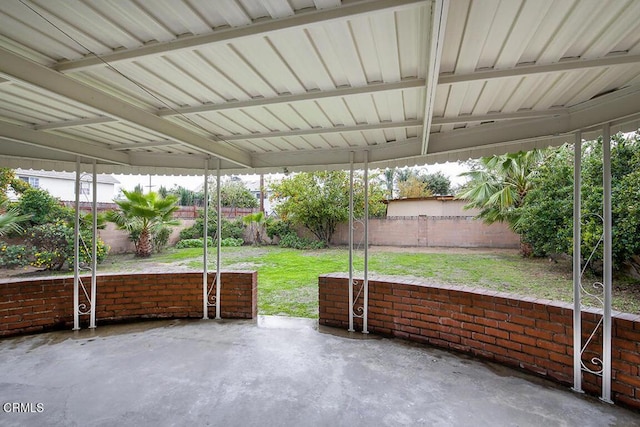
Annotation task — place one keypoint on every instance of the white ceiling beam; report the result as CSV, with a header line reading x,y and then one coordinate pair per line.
x,y
20,68
527,70
439,11
75,123
494,117
59,143
302,19
285,99
614,107
323,131
150,144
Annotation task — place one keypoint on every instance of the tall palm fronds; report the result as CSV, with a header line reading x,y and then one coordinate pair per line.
x,y
500,186
10,220
143,215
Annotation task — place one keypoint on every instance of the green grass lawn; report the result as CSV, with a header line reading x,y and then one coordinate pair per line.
x,y
288,278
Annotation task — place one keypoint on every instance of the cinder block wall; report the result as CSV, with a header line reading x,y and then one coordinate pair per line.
x,y
531,334
423,231
34,305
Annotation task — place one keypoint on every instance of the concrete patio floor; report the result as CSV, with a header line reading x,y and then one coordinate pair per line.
x,y
276,372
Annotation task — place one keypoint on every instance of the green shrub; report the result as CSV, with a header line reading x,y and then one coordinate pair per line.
x,y
14,256
230,228
292,240
277,228
161,238
41,205
197,243
54,245
193,243
230,241
102,249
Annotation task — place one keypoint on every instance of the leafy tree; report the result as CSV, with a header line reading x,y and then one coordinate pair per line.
x,y
41,206
545,219
319,201
547,214
404,174
437,183
412,183
498,187
187,197
144,215
234,194
9,180
413,187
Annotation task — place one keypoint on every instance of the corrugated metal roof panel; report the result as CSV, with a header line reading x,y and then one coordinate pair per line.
x,y
325,76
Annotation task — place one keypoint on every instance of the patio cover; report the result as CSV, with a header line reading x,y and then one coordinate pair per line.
x,y
159,86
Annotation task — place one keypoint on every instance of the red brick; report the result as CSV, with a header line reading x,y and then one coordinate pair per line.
x,y
523,339
509,344
496,333
483,338
539,333
522,320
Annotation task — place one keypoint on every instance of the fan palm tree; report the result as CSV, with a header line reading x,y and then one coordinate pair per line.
x,y
10,220
143,215
498,189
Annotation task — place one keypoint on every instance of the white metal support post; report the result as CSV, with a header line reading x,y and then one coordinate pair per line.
x,y
205,253
365,313
219,245
94,245
351,329
577,266
76,253
608,242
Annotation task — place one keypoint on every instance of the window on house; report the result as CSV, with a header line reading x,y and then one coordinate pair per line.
x,y
85,188
33,181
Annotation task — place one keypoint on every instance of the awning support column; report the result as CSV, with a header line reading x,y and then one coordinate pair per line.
x,y
219,245
94,245
351,329
607,264
76,253
365,313
205,253
577,266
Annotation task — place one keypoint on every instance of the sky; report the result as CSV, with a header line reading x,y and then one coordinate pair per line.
x,y
128,182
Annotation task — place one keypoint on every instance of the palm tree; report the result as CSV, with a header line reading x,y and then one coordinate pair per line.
x,y
498,189
389,179
255,221
143,215
10,220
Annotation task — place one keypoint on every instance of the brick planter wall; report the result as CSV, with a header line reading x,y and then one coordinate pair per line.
x,y
530,334
35,305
